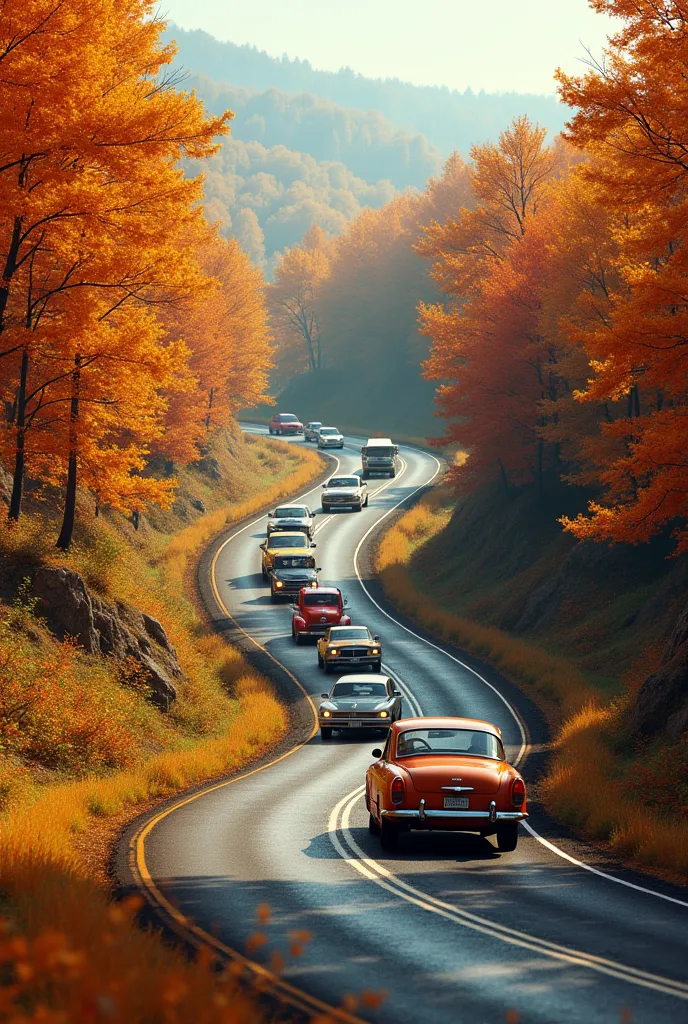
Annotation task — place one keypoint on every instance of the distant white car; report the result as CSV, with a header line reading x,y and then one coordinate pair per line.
x,y
329,437
345,492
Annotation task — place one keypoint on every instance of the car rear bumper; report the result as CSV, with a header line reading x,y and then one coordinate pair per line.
x,y
462,818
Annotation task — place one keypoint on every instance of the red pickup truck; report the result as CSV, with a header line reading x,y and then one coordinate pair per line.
x,y
316,609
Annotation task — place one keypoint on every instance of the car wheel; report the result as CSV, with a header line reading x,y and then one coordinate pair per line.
x,y
389,835
298,638
367,500
507,837
365,474
264,574
373,826
377,667
325,734
326,509
273,596
358,508
393,473
327,667
321,663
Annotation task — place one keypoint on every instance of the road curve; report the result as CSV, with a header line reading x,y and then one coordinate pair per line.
x,y
449,928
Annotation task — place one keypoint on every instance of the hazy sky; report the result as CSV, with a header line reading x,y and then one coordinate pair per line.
x,y
496,45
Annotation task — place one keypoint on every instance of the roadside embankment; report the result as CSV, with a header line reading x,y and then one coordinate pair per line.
x,y
455,580
84,748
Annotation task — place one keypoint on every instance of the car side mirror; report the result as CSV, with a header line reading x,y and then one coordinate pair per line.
x,y
324,485
263,546
314,545
396,693
377,752
271,513
345,602
376,638
318,569
324,695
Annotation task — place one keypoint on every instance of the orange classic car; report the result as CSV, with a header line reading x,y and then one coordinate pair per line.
x,y
444,774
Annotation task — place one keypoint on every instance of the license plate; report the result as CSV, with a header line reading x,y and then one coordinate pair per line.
x,y
355,725
455,803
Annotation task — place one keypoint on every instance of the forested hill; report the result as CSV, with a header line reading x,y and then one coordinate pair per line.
x,y
447,118
370,146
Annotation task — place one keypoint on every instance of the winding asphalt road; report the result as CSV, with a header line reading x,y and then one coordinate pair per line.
x,y
449,928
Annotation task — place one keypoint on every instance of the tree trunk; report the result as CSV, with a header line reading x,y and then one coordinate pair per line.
x,y
9,269
211,396
19,451
65,538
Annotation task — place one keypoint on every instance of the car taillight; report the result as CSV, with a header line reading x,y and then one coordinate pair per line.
x,y
398,790
518,793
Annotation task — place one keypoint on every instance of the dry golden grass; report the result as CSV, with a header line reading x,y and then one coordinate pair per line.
x,y
587,785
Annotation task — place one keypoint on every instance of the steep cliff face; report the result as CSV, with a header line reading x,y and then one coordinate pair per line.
x,y
662,703
116,630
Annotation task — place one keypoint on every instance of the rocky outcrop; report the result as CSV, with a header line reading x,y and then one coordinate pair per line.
x,y
116,630
662,702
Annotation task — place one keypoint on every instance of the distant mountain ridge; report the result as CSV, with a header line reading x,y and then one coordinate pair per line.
x,y
371,147
447,118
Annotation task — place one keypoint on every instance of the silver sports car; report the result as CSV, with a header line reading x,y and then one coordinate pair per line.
x,y
357,702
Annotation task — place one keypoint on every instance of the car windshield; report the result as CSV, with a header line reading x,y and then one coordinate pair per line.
x,y
349,633
416,742
295,562
328,431
291,512
287,417
343,481
286,540
359,690
315,425
326,600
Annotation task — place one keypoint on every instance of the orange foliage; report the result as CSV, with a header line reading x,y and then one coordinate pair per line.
x,y
101,236
631,117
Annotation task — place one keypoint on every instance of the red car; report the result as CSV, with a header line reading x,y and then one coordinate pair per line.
x,y
316,610
444,774
285,423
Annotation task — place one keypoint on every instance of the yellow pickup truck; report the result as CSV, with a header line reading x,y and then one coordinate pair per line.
x,y
293,542
344,648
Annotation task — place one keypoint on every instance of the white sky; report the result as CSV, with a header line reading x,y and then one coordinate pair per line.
x,y
496,45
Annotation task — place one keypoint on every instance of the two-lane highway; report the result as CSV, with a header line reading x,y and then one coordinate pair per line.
x,y
449,928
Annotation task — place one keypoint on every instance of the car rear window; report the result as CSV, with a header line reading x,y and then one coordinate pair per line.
x,y
283,540
287,417
418,742
344,481
325,600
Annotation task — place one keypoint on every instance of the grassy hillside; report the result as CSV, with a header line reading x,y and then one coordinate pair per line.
x,y
81,746
447,118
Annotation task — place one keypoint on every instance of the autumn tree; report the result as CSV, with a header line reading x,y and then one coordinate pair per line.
x,y
92,208
488,352
632,117
299,275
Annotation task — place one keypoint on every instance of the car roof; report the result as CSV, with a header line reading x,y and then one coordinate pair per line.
x,y
323,590
352,626
363,677
445,723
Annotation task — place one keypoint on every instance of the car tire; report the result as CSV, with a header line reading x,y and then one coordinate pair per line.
x,y
507,837
264,574
365,503
321,663
298,637
327,667
358,508
373,826
389,835
273,596
377,667
393,473
325,734
365,475
326,509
